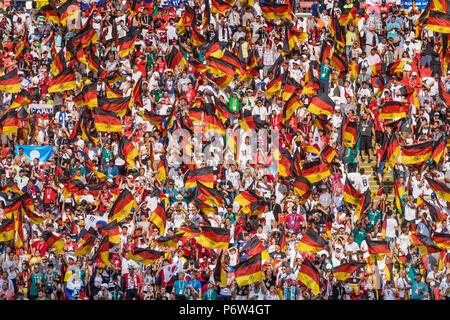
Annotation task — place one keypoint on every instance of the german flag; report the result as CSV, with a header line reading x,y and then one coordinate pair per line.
x,y
351,195
219,6
209,195
309,276
186,18
214,238
213,124
325,52
28,209
69,10
377,249
128,152
391,152
59,63
350,133
246,198
123,205
221,67
435,213
249,271
322,104
214,50
101,255
112,230
220,276
302,187
126,44
175,58
394,110
106,121
290,107
416,153
117,105
86,242
311,86
64,81
251,123
153,118
146,256
311,242
328,154
54,241
396,67
197,39
343,272
425,244
438,21
439,148
285,164
274,86
161,170
364,204
93,62
222,82
190,231
290,88
86,37
10,82
204,175
112,93
169,241
90,95
272,10
158,218
10,122
441,189
254,246
256,208
7,232
72,186
205,208
12,188
12,209
200,67
340,64
442,240
315,171
137,94
49,13
24,98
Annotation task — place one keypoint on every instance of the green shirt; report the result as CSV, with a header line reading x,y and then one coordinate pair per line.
x,y
325,71
107,155
359,235
36,281
117,295
210,294
352,155
374,217
158,94
232,216
234,104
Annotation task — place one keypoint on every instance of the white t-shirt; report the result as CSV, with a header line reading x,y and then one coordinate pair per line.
x,y
391,224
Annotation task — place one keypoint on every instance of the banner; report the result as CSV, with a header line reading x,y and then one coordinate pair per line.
x,y
43,153
41,108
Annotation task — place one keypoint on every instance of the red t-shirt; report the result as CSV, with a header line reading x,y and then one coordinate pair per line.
x,y
41,247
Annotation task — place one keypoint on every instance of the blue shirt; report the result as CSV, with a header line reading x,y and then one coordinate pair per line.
x,y
180,287
423,229
196,284
415,287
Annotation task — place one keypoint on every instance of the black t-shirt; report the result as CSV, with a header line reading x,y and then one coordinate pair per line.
x,y
268,282
366,128
435,59
242,290
278,255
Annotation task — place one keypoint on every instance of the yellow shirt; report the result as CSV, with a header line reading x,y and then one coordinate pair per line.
x,y
350,38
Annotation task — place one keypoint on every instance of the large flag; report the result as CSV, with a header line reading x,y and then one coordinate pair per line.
x,y
290,107
255,246
328,154
438,21
175,58
416,153
10,82
168,241
158,217
68,11
315,171
101,254
309,276
24,98
54,241
126,44
123,205
89,93
285,164
106,121
391,152
7,232
128,151
220,276
302,187
377,249
111,229
86,242
440,188
214,238
220,6
350,133
249,201
9,122
190,231
435,213
42,153
394,110
249,271
442,240
424,243
117,105
311,242
208,195
145,256
344,271
64,81
322,104
251,123
273,10
439,149
204,175
351,195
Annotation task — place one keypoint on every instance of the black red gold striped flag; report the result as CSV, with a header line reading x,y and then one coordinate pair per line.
x,y
128,151
290,88
187,17
66,80
273,10
339,63
208,195
311,242
220,276
93,61
274,86
90,95
101,255
315,171
137,94
113,93
106,121
322,104
344,271
117,105
153,118
377,249
49,13
204,175
219,6
251,123
309,276
285,164
213,50
254,246
290,107
364,204
442,240
146,256
214,238
175,58
416,153
351,195
10,82
168,241
249,271
59,63
197,39
391,152
111,229
126,44
394,110
350,133
213,124
7,232
328,154
24,98
158,218
435,213
161,170
425,244
27,206
190,231
438,21
439,149
10,122
302,187
440,188
86,37
86,242
123,205
54,241
221,67
249,202
68,11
